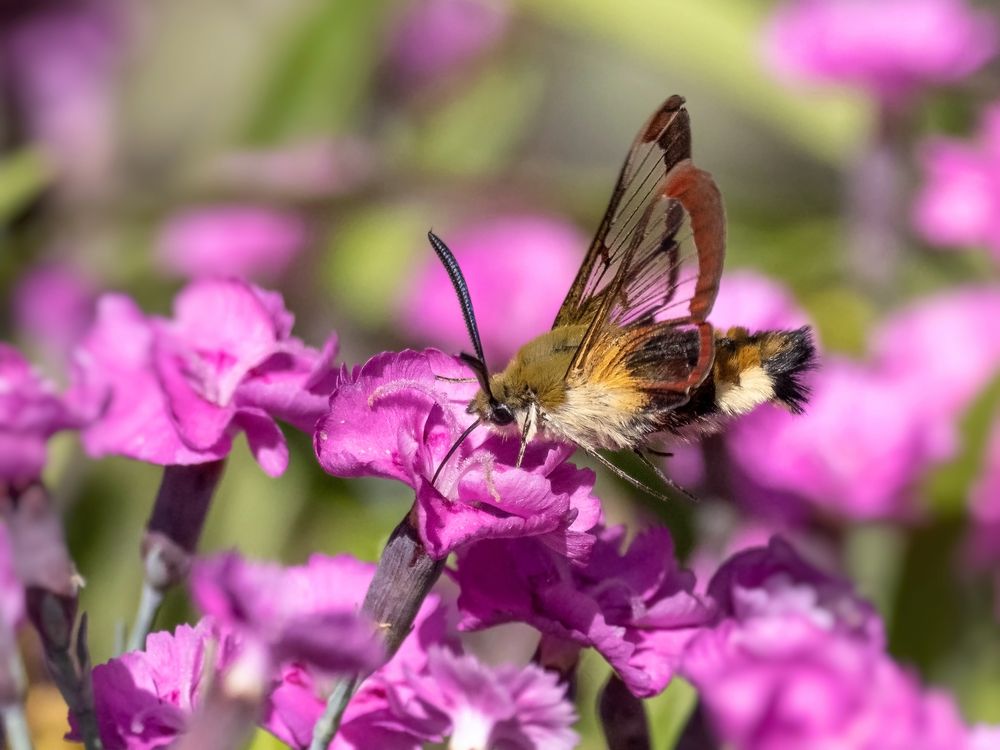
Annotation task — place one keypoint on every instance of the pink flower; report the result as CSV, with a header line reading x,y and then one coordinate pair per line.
x,y
290,614
960,200
231,240
518,268
783,681
178,390
435,37
854,453
144,699
53,305
30,413
491,707
889,48
797,661
372,718
755,302
636,607
60,61
395,418
775,580
941,352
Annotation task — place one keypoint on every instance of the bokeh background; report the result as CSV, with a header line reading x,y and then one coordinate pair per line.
x,y
310,144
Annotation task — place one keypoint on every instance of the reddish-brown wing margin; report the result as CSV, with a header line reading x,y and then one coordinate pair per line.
x,y
665,217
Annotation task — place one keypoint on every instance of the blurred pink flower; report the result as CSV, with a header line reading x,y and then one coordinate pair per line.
x,y
30,413
941,352
636,607
756,302
960,201
178,390
854,453
395,417
58,61
783,681
289,614
253,242
797,661
519,269
307,170
53,305
436,37
144,699
491,707
373,717
775,580
890,48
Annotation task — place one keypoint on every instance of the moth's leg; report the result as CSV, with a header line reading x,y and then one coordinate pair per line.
x,y
525,431
627,477
661,454
663,477
455,380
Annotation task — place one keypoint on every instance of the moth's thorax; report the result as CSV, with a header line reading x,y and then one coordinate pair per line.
x,y
535,376
534,386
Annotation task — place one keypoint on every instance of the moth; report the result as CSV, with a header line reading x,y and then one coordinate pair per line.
x,y
631,354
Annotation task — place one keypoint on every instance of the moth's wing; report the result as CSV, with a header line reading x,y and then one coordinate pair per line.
x,y
652,272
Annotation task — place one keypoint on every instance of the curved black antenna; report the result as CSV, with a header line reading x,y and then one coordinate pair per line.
x,y
461,439
462,290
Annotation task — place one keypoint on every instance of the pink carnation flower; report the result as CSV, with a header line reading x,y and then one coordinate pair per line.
x,y
231,240
889,48
60,60
797,661
435,37
855,453
941,352
53,305
783,681
960,199
30,413
518,268
396,418
145,699
491,707
774,580
373,717
178,390
635,607
289,614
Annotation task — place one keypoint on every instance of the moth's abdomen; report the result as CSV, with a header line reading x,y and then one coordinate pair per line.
x,y
749,370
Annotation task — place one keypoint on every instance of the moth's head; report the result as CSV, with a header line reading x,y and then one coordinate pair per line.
x,y
491,411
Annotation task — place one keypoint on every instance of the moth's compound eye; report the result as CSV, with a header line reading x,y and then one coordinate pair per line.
x,y
500,414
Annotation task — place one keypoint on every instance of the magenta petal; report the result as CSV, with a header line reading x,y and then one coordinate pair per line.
x,y
114,363
266,441
200,423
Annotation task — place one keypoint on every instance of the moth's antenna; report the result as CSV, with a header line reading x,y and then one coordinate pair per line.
x,y
462,290
451,451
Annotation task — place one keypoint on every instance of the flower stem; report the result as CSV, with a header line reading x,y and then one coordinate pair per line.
x,y
171,537
15,728
14,683
875,204
51,586
623,717
405,574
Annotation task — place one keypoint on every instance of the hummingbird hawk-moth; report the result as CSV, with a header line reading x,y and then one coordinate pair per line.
x,y
631,353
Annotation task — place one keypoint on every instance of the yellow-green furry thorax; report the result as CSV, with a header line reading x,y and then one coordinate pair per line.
x,y
536,374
